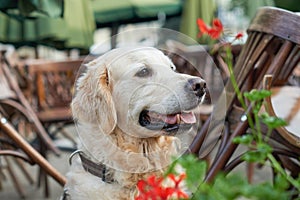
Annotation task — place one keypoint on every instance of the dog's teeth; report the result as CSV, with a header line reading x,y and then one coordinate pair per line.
x,y
178,119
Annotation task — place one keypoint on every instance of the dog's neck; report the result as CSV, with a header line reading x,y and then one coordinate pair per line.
x,y
144,146
124,152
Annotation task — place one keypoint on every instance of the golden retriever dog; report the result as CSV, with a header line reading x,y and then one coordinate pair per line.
x,y
130,107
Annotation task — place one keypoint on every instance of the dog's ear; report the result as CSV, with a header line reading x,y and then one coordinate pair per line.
x,y
93,101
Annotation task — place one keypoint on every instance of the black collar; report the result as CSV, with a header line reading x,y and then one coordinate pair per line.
x,y
97,169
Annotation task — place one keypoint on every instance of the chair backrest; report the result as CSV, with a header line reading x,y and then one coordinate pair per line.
x,y
272,48
284,26
51,83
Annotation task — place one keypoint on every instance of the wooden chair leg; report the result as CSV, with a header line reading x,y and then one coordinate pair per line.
x,y
226,153
2,175
14,178
20,164
60,128
43,175
250,171
66,135
43,180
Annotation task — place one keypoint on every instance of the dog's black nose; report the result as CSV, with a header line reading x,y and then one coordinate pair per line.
x,y
197,86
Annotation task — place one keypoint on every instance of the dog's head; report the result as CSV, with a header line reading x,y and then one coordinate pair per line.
x,y
139,91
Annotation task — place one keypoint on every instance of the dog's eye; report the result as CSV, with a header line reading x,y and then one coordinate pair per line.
x,y
144,72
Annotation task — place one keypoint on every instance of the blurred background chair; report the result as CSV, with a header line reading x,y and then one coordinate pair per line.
x,y
50,88
15,108
15,148
14,98
272,48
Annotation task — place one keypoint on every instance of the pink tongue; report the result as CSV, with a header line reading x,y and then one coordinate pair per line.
x,y
170,119
188,118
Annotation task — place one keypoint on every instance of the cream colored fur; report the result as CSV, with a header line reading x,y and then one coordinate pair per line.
x,y
109,98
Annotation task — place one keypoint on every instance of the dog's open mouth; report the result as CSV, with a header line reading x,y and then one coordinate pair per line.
x,y
167,122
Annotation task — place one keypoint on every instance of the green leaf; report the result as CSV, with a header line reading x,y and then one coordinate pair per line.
x,y
264,148
280,182
229,186
264,191
257,95
244,139
195,172
252,156
194,168
272,121
259,155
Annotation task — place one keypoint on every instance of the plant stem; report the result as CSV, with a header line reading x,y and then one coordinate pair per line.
x,y
268,134
275,164
258,127
235,85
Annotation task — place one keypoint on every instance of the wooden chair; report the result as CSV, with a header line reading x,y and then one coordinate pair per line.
x,y
272,48
11,96
15,107
15,146
50,89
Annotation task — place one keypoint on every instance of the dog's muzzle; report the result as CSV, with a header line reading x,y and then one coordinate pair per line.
x,y
171,122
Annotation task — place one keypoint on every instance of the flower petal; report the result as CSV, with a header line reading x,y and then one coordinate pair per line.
x,y
217,24
239,35
202,26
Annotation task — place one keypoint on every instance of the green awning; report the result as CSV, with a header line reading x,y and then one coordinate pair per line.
x,y
150,8
74,30
108,12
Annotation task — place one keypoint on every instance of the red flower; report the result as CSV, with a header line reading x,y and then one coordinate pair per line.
x,y
238,36
203,28
177,190
152,189
177,181
214,32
